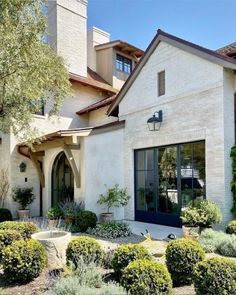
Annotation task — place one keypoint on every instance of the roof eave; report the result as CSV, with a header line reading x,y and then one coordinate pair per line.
x,y
172,40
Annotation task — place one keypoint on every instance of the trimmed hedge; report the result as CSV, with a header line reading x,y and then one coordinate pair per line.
x,y
85,219
23,260
25,228
231,227
143,276
181,257
126,253
215,276
7,237
5,215
85,248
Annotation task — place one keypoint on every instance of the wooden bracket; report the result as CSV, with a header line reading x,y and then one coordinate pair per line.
x,y
71,160
35,161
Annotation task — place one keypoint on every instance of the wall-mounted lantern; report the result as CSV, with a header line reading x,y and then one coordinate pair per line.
x,y
154,123
22,167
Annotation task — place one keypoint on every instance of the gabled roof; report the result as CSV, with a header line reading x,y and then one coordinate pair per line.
x,y
200,51
93,80
122,46
97,105
228,49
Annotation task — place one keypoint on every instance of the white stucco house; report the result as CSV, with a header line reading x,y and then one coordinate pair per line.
x,y
102,135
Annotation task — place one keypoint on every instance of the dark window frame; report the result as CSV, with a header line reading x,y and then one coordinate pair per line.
x,y
123,63
156,171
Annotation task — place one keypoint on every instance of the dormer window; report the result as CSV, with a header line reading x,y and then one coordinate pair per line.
x,y
123,64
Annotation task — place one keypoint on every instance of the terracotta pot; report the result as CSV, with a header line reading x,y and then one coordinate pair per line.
x,y
69,220
106,217
191,232
23,214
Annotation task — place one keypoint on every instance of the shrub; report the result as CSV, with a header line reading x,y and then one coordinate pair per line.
x,y
5,215
70,208
86,219
228,246
24,196
25,228
110,230
209,212
7,237
126,253
203,213
211,239
231,227
86,248
215,276
54,213
181,257
23,260
146,277
219,242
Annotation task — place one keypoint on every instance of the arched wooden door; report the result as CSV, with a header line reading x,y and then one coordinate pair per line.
x,y
62,180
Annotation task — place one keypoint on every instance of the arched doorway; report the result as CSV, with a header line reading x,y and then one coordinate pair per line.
x,y
62,180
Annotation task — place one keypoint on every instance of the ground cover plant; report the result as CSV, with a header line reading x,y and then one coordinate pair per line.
x,y
218,242
111,230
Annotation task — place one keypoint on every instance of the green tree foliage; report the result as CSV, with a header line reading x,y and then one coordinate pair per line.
x,y
30,71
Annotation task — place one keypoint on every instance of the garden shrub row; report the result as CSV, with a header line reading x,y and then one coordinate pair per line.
x,y
25,228
5,215
231,227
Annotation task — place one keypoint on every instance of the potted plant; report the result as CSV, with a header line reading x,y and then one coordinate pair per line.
x,y
209,213
23,196
190,218
113,197
53,215
70,209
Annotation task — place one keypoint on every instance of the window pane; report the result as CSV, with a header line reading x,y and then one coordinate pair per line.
x,y
161,83
140,160
168,190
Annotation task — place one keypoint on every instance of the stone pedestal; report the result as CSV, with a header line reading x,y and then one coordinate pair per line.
x,y
55,243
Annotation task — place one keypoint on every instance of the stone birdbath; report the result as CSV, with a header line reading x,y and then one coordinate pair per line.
x,y
55,243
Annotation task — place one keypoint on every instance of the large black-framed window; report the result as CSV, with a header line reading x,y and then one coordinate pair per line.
x,y
123,64
167,178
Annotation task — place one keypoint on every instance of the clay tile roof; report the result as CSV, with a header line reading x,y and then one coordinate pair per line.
x,y
228,49
97,105
93,80
122,46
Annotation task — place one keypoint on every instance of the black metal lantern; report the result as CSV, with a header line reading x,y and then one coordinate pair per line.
x,y
22,167
154,123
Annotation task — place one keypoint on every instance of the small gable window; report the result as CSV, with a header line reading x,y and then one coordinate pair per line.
x,y
161,83
123,64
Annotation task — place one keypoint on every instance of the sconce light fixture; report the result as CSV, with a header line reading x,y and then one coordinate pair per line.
x,y
154,123
22,167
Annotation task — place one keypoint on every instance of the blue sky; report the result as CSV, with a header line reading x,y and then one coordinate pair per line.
x,y
209,23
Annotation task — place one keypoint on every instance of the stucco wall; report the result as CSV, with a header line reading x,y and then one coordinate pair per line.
x,y
99,117
103,164
192,110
